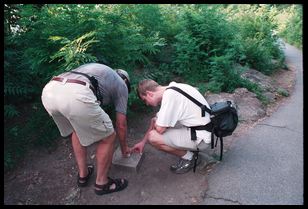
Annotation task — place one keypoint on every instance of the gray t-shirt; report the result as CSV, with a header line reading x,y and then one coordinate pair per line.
x,y
111,86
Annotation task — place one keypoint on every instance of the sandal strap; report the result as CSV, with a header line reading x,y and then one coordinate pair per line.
x,y
118,184
90,170
104,186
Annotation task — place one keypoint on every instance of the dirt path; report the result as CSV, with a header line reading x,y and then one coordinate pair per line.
x,y
50,177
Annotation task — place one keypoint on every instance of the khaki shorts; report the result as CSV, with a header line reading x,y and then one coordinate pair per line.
x,y
74,107
179,137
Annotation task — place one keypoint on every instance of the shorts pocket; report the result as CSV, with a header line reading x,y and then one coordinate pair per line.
x,y
86,99
101,125
108,125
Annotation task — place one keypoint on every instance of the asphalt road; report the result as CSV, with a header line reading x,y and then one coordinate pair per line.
x,y
265,165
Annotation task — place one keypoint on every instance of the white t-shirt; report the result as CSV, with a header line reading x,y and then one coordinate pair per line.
x,y
176,108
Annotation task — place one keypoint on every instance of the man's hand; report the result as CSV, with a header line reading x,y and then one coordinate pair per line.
x,y
126,152
138,147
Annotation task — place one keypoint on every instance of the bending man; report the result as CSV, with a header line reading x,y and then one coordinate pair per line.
x,y
73,100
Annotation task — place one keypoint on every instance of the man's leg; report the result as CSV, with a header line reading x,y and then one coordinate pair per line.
x,y
185,163
157,141
104,153
80,155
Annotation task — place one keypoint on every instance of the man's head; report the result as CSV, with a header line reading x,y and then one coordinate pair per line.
x,y
124,75
148,91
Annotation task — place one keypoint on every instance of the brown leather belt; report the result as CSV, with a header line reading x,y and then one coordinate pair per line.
x,y
72,81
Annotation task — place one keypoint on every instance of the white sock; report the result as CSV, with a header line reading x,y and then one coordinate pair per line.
x,y
188,155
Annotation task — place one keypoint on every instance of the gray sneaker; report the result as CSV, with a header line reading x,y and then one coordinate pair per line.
x,y
182,166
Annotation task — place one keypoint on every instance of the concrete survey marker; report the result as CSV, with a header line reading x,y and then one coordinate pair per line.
x,y
131,163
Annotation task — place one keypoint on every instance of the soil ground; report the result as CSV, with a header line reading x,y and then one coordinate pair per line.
x,y
49,177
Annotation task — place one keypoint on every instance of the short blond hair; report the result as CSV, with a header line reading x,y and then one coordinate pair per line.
x,y
146,85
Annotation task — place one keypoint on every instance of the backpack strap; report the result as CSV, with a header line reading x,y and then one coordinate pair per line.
x,y
203,107
195,157
208,127
86,75
93,82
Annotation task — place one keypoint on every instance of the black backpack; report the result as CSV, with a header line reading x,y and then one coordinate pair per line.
x,y
224,120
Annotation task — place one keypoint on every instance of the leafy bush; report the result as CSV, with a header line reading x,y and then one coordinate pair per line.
x,y
290,21
223,76
205,33
260,44
73,52
33,127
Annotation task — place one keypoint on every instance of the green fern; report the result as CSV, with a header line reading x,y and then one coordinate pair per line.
x,y
10,111
11,89
73,52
